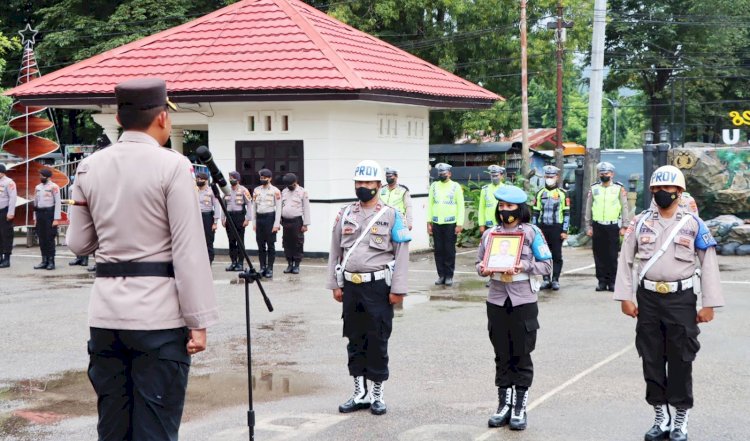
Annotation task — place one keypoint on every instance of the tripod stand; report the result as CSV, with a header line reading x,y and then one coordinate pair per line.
x,y
249,275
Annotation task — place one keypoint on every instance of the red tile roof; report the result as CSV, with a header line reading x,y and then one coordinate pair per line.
x,y
538,138
260,47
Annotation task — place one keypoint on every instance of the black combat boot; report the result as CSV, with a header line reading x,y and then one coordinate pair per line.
x,y
232,266
76,261
50,263
377,404
440,281
269,272
289,266
92,268
5,261
262,271
518,416
505,401
555,285
660,429
360,398
449,281
43,264
546,284
680,427
84,261
601,286
295,267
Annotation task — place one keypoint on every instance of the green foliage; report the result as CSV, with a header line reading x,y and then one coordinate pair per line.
x,y
470,235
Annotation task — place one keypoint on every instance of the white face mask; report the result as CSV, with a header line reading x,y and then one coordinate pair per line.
x,y
550,182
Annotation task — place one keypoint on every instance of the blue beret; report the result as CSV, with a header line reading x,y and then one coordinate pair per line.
x,y
511,194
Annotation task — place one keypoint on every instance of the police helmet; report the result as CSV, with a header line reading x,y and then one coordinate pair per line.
x,y
443,167
391,171
551,170
496,170
604,167
668,175
368,170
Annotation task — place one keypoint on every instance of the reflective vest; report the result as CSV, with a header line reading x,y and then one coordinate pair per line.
x,y
395,197
487,205
445,203
605,202
548,200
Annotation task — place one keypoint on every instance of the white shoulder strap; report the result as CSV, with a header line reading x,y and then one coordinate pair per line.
x,y
364,233
664,247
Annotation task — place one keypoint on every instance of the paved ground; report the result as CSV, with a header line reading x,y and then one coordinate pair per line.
x,y
588,384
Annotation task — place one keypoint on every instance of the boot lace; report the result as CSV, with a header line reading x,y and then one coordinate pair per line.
x,y
519,410
504,401
358,389
680,419
377,391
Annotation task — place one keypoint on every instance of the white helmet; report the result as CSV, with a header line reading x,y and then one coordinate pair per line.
x,y
668,175
368,170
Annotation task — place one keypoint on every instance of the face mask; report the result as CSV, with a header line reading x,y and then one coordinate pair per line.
x,y
291,187
664,199
264,181
44,180
551,182
390,181
365,194
443,178
201,183
495,180
509,216
604,178
233,182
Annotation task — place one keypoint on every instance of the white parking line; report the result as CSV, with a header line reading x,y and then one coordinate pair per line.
x,y
488,434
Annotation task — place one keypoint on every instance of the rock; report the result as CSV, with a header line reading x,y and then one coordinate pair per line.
x,y
578,240
743,250
729,248
721,226
740,233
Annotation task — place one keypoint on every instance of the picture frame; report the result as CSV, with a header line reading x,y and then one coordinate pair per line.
x,y
503,251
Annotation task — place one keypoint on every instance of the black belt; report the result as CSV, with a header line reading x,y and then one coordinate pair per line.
x,y
44,208
273,213
135,269
207,212
242,212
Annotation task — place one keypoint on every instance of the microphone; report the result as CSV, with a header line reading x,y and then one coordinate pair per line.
x,y
205,158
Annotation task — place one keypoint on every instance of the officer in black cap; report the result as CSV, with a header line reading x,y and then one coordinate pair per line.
x,y
267,221
210,211
8,197
47,214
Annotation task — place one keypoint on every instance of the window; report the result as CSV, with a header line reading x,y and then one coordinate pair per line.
x,y
285,121
267,121
251,120
281,157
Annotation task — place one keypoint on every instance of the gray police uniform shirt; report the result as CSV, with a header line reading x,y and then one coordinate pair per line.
x,y
238,199
8,195
295,203
48,196
377,248
678,262
208,202
154,218
520,292
267,200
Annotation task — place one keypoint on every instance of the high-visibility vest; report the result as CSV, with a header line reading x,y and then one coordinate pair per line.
x,y
395,197
605,202
552,196
445,203
487,205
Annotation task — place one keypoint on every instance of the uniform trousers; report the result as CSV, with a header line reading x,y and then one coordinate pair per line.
x,y
368,322
666,338
512,332
293,238
45,231
234,247
266,239
6,232
208,231
552,234
444,240
140,379
606,245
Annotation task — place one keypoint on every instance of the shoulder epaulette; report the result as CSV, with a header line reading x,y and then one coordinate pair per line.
x,y
404,186
620,184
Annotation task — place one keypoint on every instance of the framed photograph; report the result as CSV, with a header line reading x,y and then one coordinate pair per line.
x,y
503,251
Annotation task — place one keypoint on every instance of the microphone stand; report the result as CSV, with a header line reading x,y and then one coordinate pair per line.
x,y
249,275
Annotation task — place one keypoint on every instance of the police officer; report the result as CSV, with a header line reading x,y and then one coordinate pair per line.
x,y
512,309
397,195
295,220
658,282
367,271
210,211
8,195
153,296
487,202
552,216
267,215
445,220
606,207
47,215
239,203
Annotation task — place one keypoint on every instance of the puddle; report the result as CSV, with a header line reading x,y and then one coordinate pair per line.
x,y
34,403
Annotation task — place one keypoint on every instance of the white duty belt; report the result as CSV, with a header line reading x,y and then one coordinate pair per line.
x,y
667,287
358,278
508,278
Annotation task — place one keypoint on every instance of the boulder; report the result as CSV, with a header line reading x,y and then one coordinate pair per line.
x,y
740,233
743,250
729,248
721,226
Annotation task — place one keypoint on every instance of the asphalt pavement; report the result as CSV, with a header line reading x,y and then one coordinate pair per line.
x,y
587,385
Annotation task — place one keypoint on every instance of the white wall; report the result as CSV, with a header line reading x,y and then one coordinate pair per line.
x,y
336,135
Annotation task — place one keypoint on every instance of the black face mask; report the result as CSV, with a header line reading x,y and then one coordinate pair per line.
x,y
291,187
44,180
232,182
443,178
390,181
509,216
664,199
604,178
365,194
201,183
264,181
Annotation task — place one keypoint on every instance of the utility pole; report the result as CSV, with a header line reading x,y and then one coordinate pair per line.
x,y
524,97
559,26
593,132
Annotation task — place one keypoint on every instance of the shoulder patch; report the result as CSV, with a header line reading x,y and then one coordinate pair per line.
x,y
703,239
